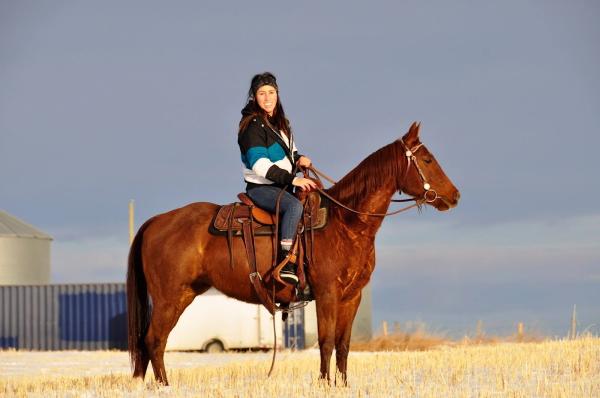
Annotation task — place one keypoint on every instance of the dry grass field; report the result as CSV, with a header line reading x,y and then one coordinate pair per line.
x,y
566,368
420,339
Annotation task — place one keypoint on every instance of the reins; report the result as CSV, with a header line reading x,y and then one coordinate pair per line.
x,y
418,202
429,195
273,265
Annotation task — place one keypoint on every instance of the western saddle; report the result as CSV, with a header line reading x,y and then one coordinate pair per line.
x,y
245,219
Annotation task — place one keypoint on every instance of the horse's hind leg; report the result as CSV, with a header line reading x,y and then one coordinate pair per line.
x,y
164,317
142,364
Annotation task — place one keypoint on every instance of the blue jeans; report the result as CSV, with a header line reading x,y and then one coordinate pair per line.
x,y
290,207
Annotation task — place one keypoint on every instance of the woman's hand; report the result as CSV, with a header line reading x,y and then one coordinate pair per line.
x,y
304,161
306,184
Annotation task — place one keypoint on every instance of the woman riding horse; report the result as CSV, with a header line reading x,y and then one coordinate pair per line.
x,y
174,257
269,154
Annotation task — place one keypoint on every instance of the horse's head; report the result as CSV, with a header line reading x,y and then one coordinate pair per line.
x,y
423,176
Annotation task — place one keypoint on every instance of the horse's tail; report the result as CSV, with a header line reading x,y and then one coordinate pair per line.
x,y
138,306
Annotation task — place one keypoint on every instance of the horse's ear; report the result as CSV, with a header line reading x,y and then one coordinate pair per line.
x,y
412,136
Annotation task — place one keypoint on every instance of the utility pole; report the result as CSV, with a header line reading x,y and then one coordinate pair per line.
x,y
131,231
574,323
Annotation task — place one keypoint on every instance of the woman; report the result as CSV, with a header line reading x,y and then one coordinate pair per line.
x,y
269,155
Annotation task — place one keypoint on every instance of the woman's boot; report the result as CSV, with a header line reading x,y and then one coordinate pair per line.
x,y
288,272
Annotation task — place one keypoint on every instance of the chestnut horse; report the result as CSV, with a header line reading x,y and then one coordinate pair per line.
x,y
174,258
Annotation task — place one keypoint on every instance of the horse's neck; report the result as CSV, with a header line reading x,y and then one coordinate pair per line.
x,y
375,203
368,188
376,200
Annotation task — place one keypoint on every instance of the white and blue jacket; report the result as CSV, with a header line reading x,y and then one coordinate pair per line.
x,y
266,155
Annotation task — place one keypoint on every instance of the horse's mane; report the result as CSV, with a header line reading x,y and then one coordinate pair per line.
x,y
368,176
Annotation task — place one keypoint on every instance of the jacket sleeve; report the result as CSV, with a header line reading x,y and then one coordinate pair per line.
x,y
255,156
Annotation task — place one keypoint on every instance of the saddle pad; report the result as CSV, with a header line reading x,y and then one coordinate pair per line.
x,y
221,221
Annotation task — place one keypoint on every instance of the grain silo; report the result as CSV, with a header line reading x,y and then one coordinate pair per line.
x,y
24,253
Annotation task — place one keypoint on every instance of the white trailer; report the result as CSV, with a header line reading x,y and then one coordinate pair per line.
x,y
215,322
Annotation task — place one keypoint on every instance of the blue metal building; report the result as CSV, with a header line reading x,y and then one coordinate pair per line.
x,y
82,317
63,317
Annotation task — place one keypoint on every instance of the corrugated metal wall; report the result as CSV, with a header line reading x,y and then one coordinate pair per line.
x,y
83,317
63,317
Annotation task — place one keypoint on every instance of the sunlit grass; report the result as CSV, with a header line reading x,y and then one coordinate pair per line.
x,y
566,368
416,337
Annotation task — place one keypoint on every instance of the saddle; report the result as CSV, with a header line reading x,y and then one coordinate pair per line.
x,y
245,219
314,218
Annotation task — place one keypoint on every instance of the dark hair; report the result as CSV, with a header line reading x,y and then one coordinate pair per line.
x,y
278,121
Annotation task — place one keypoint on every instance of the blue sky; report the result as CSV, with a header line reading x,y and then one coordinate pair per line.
x,y
109,101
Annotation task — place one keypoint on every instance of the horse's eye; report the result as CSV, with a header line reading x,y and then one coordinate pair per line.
x,y
427,160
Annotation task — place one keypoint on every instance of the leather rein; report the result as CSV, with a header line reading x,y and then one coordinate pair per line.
x,y
429,195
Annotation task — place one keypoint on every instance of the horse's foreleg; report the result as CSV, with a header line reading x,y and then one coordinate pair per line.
x,y
164,317
345,317
326,321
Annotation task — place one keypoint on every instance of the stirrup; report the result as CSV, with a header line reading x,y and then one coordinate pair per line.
x,y
292,278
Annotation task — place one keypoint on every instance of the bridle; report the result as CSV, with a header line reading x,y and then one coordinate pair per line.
x,y
412,158
429,195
